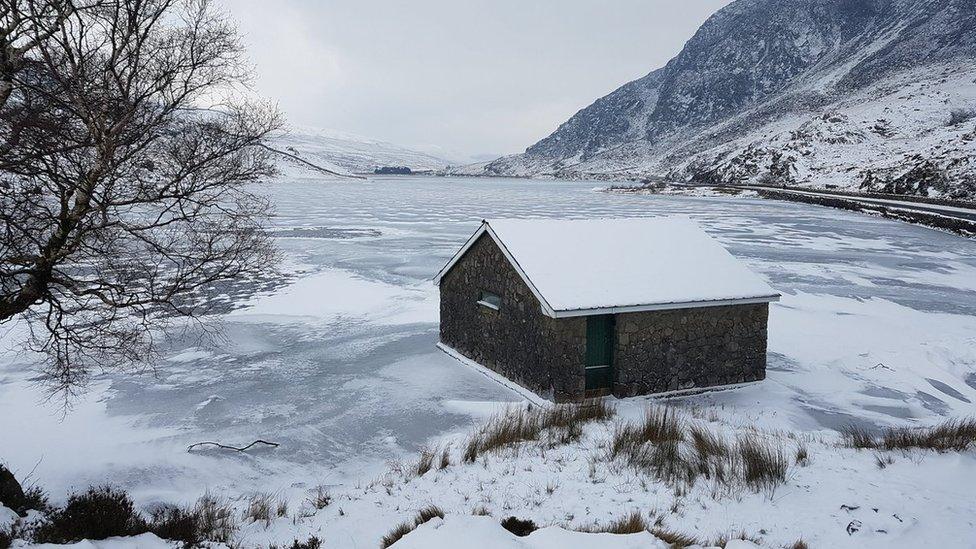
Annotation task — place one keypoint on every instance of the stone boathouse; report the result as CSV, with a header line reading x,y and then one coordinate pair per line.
x,y
576,308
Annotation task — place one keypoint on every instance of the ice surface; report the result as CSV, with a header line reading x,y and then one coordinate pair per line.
x,y
339,365
604,263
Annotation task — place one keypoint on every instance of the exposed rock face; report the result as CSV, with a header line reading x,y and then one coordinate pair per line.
x,y
654,351
760,71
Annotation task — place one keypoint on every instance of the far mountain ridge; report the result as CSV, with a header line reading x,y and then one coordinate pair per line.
x,y
873,94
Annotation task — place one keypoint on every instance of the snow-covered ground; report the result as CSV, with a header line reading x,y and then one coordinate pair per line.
x,y
877,326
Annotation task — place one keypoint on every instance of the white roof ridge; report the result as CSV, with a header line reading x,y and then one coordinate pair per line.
x,y
578,267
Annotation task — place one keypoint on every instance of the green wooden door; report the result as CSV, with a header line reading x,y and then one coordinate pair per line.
x,y
599,354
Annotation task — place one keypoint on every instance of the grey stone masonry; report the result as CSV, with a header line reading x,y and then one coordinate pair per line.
x,y
540,353
654,351
658,351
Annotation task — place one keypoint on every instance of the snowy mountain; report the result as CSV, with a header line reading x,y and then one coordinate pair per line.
x,y
878,94
346,153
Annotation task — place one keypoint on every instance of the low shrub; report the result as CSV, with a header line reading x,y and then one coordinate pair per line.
x,y
36,499
6,538
176,524
99,513
519,527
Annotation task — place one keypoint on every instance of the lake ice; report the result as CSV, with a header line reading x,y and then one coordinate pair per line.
x,y
338,363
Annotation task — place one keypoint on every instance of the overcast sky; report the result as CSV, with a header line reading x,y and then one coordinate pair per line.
x,y
474,77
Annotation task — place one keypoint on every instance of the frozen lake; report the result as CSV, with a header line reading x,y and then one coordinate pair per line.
x,y
338,365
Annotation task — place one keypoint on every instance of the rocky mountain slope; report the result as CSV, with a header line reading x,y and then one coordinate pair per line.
x,y
878,94
345,153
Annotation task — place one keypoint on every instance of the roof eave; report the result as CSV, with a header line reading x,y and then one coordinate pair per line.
x,y
567,313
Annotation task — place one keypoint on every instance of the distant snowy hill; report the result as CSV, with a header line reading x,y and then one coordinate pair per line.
x,y
874,94
346,153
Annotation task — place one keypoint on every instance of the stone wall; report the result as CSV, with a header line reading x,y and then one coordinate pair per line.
x,y
540,353
654,351
657,351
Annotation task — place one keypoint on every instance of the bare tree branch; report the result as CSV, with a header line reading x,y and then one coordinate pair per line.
x,y
124,199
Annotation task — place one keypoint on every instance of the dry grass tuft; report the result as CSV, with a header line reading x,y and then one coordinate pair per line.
x,y
954,435
320,498
564,421
632,523
427,513
394,536
265,508
678,451
675,539
764,466
799,544
426,461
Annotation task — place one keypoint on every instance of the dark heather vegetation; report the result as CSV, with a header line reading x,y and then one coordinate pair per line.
x,y
427,513
124,195
103,512
951,436
676,451
99,513
519,527
311,543
562,423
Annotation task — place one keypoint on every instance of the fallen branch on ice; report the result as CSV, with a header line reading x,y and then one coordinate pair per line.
x,y
225,447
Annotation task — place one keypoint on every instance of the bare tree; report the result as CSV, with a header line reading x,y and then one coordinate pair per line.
x,y
124,174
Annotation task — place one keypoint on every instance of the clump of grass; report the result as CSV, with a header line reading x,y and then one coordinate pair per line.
x,y
857,437
674,538
394,536
320,498
480,512
519,527
675,450
265,508
426,461
216,518
445,458
519,425
802,455
427,513
764,466
953,435
631,523
799,544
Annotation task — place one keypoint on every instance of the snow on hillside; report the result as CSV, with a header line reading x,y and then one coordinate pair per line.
x,y
348,153
847,94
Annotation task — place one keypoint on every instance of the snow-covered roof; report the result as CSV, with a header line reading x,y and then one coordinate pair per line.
x,y
602,266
